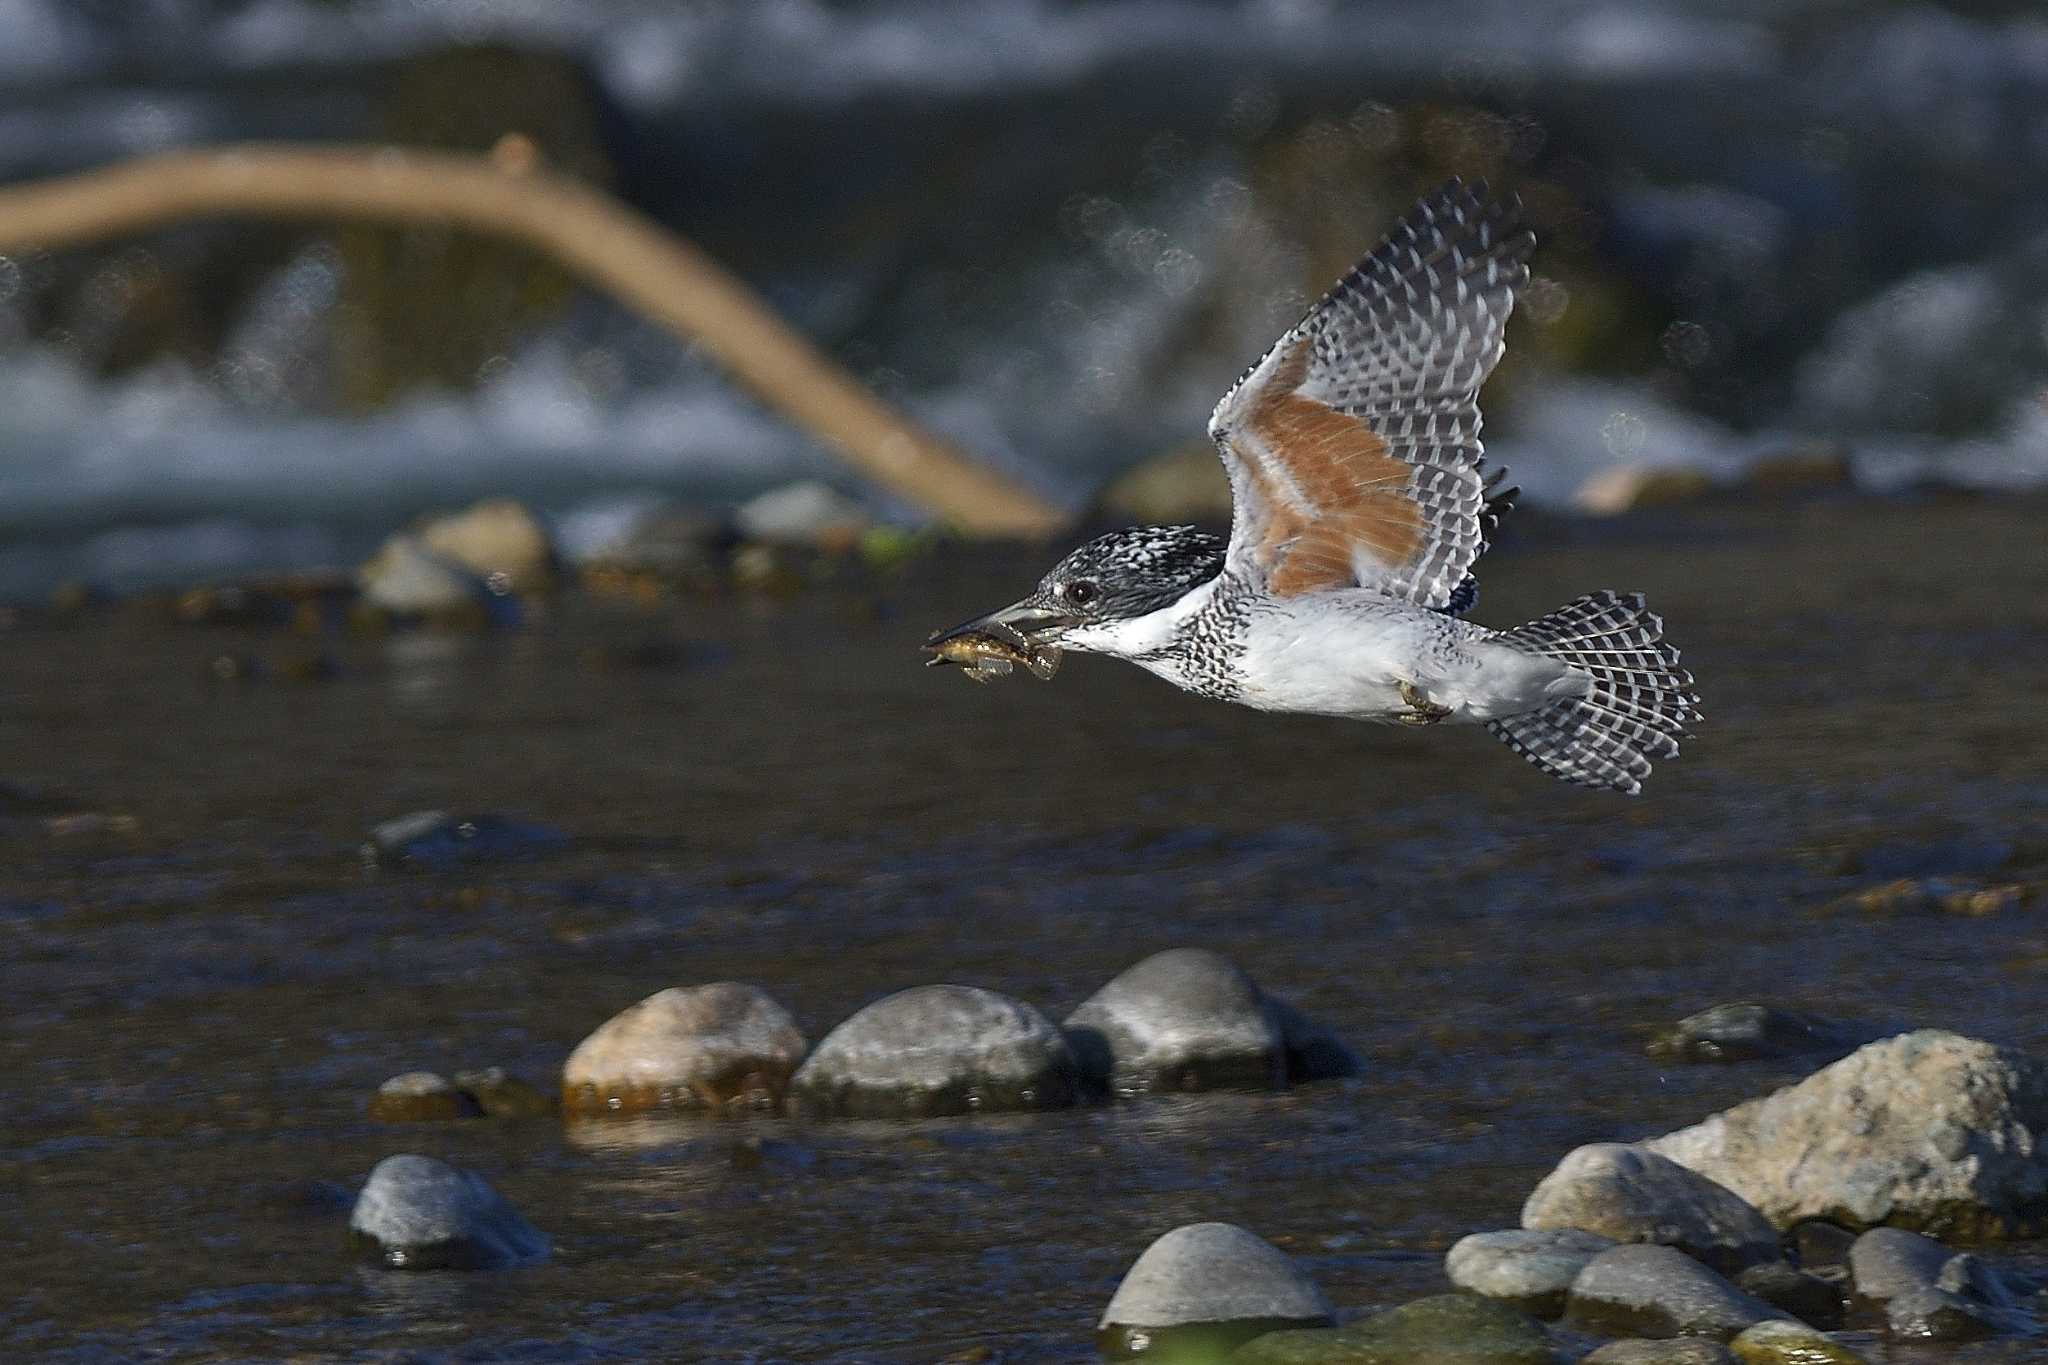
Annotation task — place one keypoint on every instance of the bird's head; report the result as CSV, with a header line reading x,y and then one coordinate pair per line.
x,y
1114,595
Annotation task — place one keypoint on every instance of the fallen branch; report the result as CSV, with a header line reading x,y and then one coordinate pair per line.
x,y
608,244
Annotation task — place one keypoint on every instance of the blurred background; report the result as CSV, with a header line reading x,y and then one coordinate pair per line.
x,y
1776,230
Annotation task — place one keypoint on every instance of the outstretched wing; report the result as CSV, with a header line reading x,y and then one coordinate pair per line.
x,y
1353,445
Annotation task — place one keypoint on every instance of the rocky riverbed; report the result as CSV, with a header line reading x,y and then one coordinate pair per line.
x,y
219,947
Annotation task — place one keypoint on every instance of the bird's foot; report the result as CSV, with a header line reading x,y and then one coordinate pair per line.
x,y
1421,710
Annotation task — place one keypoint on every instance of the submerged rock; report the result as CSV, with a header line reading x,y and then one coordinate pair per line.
x,y
1314,1052
502,1095
935,1050
1184,1019
416,1213
1659,1291
1530,1269
1445,1329
1929,1293
1203,1289
725,1047
1928,1130
1809,1298
1631,1195
1672,1351
1790,1343
421,1096
1742,1032
433,840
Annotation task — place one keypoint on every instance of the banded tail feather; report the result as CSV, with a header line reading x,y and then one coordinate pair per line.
x,y
1639,705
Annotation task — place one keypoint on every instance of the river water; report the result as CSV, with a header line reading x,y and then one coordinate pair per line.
x,y
205,986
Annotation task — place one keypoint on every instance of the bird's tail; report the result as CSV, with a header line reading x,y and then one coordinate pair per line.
x,y
1637,709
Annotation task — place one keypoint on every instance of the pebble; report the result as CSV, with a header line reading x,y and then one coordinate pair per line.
x,y
1659,1291
1182,1020
935,1050
725,1048
416,1213
1207,1287
1928,1129
418,1097
1530,1269
1446,1329
1673,1351
1743,1032
1791,1343
1632,1195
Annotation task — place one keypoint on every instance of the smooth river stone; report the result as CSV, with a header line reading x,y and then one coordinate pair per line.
x,y
1926,1291
1790,1343
1632,1195
1184,1019
1203,1289
416,1213
937,1050
1659,1291
1928,1130
421,1097
722,1048
1445,1329
1530,1269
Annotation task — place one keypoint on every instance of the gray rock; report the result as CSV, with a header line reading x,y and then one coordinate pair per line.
x,y
418,1097
1185,1019
1928,1293
1207,1287
1791,1343
1809,1298
408,578
938,1050
1631,1195
1817,1242
803,513
1673,1351
1446,1329
1658,1291
1928,1130
724,1047
1531,1269
1742,1032
416,1213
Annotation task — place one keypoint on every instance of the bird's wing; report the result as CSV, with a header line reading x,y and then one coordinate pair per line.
x,y
1353,445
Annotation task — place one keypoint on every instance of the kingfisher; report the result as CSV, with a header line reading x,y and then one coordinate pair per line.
x,y
1360,501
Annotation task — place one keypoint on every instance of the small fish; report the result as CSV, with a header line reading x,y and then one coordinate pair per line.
x,y
985,654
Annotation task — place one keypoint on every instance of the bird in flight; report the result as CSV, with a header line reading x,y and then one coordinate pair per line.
x,y
1360,502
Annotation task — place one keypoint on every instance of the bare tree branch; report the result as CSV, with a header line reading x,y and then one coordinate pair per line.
x,y
616,249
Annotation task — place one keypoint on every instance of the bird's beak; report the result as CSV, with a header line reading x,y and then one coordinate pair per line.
x,y
1034,624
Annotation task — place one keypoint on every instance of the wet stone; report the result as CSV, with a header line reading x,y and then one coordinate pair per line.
x,y
1182,1020
1928,1130
1673,1351
416,1213
1927,1292
1744,1032
1530,1269
1809,1298
1791,1343
1203,1289
1658,1291
1314,1052
421,1096
501,1095
721,1048
1445,1329
1633,1195
433,840
937,1050
1817,1243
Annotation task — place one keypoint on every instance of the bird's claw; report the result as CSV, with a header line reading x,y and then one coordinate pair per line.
x,y
1421,710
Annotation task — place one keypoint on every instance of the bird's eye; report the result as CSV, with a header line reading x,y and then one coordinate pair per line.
x,y
1081,592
